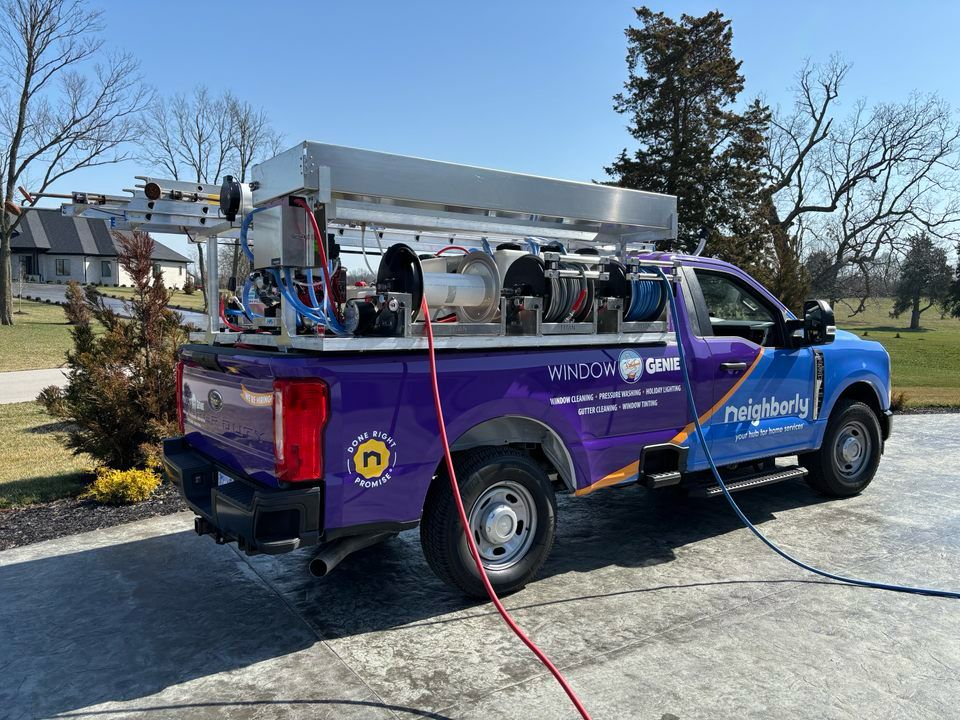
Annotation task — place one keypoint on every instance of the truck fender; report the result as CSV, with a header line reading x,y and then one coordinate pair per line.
x,y
492,424
866,388
521,429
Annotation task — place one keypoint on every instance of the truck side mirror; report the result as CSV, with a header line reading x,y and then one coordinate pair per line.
x,y
819,325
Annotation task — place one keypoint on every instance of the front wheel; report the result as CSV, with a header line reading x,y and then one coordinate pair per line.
x,y
848,458
511,509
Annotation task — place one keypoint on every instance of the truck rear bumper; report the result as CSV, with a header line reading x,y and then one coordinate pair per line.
x,y
258,519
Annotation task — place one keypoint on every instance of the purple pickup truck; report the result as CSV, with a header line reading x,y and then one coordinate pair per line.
x,y
287,449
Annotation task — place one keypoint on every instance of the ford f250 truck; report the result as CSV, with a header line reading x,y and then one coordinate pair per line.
x,y
306,407
282,451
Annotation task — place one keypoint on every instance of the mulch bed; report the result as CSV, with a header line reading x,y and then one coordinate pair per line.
x,y
926,411
22,526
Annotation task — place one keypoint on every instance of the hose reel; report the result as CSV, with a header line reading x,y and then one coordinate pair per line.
x,y
471,289
521,272
644,300
470,285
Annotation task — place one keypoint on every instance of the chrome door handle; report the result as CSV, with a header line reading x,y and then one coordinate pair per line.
x,y
733,366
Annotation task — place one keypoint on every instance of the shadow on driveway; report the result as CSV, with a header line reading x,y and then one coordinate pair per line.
x,y
125,621
391,585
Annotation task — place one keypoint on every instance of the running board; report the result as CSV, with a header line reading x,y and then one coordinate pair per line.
x,y
655,481
748,483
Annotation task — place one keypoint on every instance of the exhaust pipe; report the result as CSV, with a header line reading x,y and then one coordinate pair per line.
x,y
332,553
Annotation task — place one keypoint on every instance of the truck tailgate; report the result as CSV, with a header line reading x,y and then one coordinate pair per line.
x,y
228,415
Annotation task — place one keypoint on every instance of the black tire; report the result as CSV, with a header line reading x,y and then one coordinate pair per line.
x,y
835,471
483,474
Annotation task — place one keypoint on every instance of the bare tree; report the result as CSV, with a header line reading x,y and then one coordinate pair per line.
x,y
190,139
857,187
21,278
201,138
228,265
254,140
63,105
204,135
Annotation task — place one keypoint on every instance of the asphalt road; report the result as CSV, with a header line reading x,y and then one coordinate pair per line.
x,y
54,293
654,606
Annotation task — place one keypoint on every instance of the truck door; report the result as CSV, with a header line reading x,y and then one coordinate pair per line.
x,y
765,393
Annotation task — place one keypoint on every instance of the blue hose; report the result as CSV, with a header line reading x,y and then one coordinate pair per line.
x,y
290,293
244,227
295,301
312,290
245,299
646,300
327,303
736,508
314,313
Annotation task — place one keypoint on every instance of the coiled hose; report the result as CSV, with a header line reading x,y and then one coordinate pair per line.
x,y
646,300
566,299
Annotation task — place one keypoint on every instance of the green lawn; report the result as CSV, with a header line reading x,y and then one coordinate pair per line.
x,y
925,363
191,302
34,464
38,339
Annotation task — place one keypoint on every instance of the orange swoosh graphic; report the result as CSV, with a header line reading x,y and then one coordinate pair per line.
x,y
685,433
633,468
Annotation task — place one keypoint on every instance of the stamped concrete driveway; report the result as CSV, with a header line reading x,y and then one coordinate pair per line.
x,y
654,606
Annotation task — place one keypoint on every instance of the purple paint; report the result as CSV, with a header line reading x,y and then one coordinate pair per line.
x,y
604,404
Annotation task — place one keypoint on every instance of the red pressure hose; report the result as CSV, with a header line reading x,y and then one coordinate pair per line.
x,y
322,247
451,247
465,524
579,301
223,317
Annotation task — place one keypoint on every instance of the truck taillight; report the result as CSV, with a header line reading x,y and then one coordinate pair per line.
x,y
179,385
300,412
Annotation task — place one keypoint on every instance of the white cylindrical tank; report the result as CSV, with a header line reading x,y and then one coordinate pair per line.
x,y
441,288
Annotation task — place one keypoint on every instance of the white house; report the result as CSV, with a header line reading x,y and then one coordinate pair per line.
x,y
51,247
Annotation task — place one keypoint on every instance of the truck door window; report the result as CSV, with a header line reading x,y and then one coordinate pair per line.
x,y
736,310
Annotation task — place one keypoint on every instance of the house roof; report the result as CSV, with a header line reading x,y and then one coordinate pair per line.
x,y
167,254
48,230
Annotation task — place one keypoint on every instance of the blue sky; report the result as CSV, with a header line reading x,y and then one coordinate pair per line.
x,y
517,85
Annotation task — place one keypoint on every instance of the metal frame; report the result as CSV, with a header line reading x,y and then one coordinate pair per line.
x,y
657,335
183,208
429,205
363,186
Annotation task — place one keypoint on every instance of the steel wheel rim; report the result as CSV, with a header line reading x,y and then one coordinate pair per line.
x,y
503,521
851,449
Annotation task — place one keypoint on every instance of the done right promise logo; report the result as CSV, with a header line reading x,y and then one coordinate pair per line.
x,y
371,458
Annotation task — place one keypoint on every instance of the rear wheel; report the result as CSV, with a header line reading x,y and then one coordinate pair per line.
x,y
511,509
848,458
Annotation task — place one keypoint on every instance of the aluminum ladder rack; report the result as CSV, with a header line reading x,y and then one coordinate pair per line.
x,y
368,201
